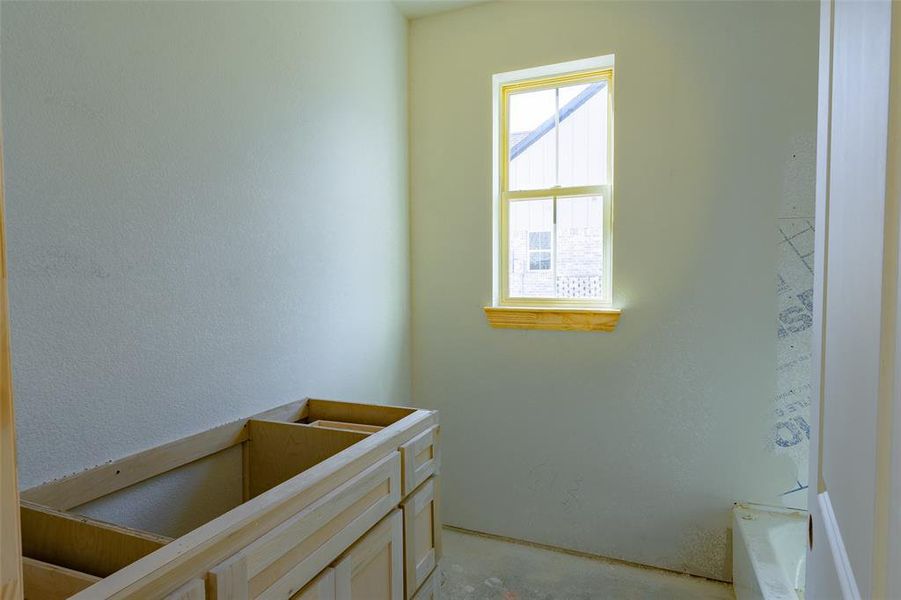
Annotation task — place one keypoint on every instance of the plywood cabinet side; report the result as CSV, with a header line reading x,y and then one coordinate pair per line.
x,y
45,581
352,412
80,543
279,451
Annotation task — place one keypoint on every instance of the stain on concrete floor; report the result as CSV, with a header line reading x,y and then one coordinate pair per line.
x,y
481,568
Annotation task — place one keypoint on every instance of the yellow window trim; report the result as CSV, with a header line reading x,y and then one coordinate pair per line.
x,y
552,319
566,314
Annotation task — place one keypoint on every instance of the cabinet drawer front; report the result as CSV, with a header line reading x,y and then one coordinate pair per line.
x,y
288,557
422,535
420,458
373,568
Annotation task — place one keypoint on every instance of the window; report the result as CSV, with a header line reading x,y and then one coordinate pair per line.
x,y
554,186
539,250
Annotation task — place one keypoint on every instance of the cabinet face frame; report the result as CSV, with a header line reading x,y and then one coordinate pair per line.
x,y
387,536
45,581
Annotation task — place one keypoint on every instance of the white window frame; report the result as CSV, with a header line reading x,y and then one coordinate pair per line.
x,y
546,77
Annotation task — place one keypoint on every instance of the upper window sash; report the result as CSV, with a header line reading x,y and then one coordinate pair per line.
x,y
548,83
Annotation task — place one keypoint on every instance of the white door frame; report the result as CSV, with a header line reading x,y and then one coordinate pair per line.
x,y
830,573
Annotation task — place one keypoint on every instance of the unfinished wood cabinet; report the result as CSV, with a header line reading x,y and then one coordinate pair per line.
x,y
320,513
422,535
373,568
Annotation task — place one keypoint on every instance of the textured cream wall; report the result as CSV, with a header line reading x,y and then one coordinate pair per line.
x,y
200,197
631,444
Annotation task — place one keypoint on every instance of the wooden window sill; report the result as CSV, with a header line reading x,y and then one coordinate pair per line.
x,y
553,319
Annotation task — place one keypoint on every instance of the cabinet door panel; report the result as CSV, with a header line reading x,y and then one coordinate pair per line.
x,y
422,535
321,588
373,568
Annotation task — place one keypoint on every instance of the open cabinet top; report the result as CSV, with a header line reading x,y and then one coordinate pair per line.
x,y
291,455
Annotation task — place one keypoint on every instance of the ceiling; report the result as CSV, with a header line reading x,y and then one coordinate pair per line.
x,y
413,9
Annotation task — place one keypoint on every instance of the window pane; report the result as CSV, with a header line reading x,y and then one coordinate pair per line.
x,y
539,240
532,143
539,261
580,247
530,274
583,134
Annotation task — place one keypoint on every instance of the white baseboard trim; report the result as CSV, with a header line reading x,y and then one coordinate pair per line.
x,y
837,548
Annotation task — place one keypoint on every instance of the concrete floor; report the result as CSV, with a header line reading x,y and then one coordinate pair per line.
x,y
481,568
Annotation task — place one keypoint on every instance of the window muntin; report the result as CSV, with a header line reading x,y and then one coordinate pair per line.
x,y
556,177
